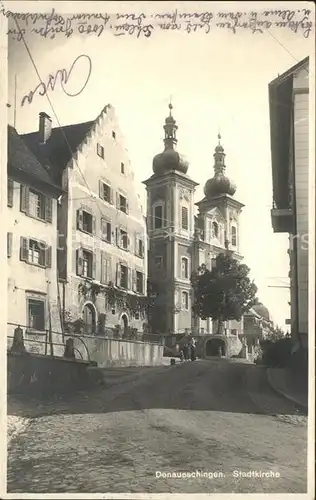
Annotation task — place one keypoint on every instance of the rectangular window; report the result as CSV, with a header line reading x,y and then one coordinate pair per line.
x,y
185,300
158,262
106,230
105,268
140,249
100,150
124,276
122,168
123,239
113,134
184,218
105,192
85,221
139,282
234,236
87,261
184,268
123,204
36,205
36,314
10,192
158,217
35,252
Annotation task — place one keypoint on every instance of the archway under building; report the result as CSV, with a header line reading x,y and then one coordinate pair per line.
x,y
215,347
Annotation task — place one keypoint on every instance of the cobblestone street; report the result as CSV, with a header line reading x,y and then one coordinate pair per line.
x,y
210,416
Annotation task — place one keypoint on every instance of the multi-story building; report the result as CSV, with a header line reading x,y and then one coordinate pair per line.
x,y
31,244
179,240
102,228
257,324
289,117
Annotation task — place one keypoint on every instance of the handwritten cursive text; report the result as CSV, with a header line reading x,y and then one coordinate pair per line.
x,y
63,76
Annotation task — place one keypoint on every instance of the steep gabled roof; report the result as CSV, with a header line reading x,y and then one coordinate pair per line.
x,y
60,147
62,144
22,161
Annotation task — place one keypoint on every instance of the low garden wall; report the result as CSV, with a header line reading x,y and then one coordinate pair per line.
x,y
38,373
107,351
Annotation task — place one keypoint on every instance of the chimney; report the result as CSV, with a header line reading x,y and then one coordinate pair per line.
x,y
45,127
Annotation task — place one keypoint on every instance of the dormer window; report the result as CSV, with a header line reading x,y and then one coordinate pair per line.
x,y
100,150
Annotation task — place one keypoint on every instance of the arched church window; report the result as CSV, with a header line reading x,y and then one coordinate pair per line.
x,y
215,230
234,236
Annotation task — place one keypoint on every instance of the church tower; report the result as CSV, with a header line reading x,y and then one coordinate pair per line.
x,y
217,228
170,225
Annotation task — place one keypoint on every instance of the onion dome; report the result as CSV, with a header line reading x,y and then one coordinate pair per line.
x,y
261,310
169,159
219,184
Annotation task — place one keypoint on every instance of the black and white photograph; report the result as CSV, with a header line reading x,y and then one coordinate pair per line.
x,y
158,205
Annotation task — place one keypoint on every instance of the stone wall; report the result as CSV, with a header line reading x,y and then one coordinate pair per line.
x,y
34,373
106,351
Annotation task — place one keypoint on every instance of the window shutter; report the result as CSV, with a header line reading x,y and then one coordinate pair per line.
x,y
117,235
118,201
135,243
127,207
10,192
24,247
144,284
111,196
101,190
130,278
128,242
24,199
103,268
48,257
94,225
79,219
79,261
109,269
118,274
48,209
9,245
94,266
134,280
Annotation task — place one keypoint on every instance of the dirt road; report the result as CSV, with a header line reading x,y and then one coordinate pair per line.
x,y
211,422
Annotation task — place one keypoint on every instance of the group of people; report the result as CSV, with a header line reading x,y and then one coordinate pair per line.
x,y
188,351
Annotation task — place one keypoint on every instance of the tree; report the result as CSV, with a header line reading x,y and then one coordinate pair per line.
x,y
276,333
225,292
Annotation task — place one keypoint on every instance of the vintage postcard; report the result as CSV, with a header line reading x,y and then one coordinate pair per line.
x,y
157,200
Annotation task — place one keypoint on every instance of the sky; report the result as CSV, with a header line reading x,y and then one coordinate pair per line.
x,y
218,82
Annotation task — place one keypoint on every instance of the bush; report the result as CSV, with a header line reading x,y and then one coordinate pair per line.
x,y
277,354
